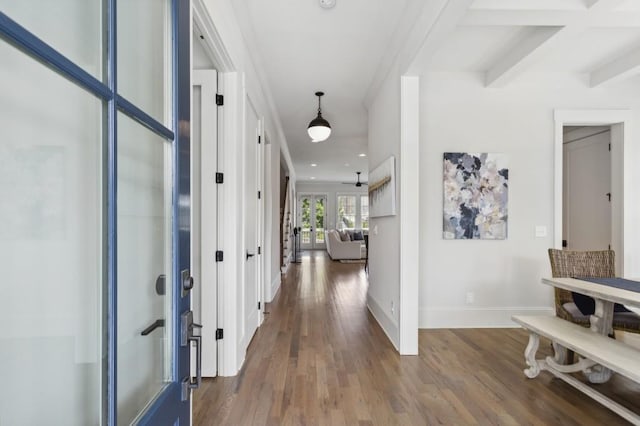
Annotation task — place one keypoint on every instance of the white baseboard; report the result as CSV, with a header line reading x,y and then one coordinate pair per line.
x,y
275,287
463,317
386,323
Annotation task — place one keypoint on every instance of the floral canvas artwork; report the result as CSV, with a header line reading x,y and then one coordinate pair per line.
x,y
475,196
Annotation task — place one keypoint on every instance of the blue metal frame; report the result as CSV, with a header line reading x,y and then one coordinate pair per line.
x,y
165,409
112,219
143,118
23,39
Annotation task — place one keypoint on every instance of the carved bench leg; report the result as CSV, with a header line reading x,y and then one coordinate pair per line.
x,y
562,355
530,356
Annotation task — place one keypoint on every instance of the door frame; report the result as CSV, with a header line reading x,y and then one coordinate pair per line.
x,y
625,207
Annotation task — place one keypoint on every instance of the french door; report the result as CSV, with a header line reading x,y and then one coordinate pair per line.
x,y
312,219
92,165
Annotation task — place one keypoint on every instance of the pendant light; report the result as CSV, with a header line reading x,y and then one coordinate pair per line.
x,y
319,129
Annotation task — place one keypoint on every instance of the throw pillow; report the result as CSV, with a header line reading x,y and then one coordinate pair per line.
x,y
357,236
344,236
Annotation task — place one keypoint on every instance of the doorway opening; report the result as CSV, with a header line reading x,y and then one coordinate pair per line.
x,y
587,189
598,128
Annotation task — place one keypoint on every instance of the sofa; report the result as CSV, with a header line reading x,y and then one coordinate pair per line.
x,y
339,249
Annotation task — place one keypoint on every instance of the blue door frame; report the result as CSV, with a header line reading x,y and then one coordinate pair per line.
x,y
168,408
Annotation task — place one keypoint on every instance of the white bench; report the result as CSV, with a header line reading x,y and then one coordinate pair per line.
x,y
595,349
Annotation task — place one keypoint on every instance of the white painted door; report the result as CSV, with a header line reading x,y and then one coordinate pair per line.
x,y
587,185
204,215
312,220
250,285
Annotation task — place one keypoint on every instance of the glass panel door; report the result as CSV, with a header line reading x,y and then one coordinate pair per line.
x,y
89,212
319,215
312,221
144,267
51,247
305,203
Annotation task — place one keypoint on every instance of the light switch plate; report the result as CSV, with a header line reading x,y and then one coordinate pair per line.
x,y
541,231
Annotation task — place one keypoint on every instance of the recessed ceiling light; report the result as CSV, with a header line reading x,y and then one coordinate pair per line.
x,y
312,178
313,164
362,155
327,4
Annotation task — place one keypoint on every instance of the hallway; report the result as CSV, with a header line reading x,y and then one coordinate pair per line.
x,y
321,358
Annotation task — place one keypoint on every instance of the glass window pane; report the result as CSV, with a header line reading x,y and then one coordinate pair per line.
x,y
364,211
144,257
72,27
51,247
145,56
346,211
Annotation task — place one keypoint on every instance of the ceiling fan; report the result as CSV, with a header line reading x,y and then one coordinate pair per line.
x,y
358,183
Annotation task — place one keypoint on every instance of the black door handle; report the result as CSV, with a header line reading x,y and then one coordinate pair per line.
x,y
249,255
157,324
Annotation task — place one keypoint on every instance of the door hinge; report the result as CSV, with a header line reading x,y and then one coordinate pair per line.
x,y
259,139
259,195
608,194
219,100
259,305
219,334
609,147
219,177
219,256
259,250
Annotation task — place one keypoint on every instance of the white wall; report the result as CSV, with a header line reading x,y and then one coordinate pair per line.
x,y
459,114
384,232
332,190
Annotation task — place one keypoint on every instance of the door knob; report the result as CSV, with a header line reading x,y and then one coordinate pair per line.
x,y
249,255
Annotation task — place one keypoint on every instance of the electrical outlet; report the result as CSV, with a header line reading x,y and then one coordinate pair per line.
x,y
470,298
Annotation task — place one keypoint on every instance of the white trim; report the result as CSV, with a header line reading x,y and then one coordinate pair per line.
x,y
456,317
212,39
275,288
625,207
387,324
409,213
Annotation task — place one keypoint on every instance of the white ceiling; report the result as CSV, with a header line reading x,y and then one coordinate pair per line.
x,y
303,48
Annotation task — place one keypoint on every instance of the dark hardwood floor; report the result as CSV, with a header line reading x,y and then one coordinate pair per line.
x,y
321,358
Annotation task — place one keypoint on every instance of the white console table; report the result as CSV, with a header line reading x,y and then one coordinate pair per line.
x,y
600,355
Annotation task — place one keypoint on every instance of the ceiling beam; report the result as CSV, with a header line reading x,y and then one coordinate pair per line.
x,y
531,18
529,4
520,17
603,5
621,68
445,24
527,52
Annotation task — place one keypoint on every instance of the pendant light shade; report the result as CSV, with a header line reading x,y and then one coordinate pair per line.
x,y
319,129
